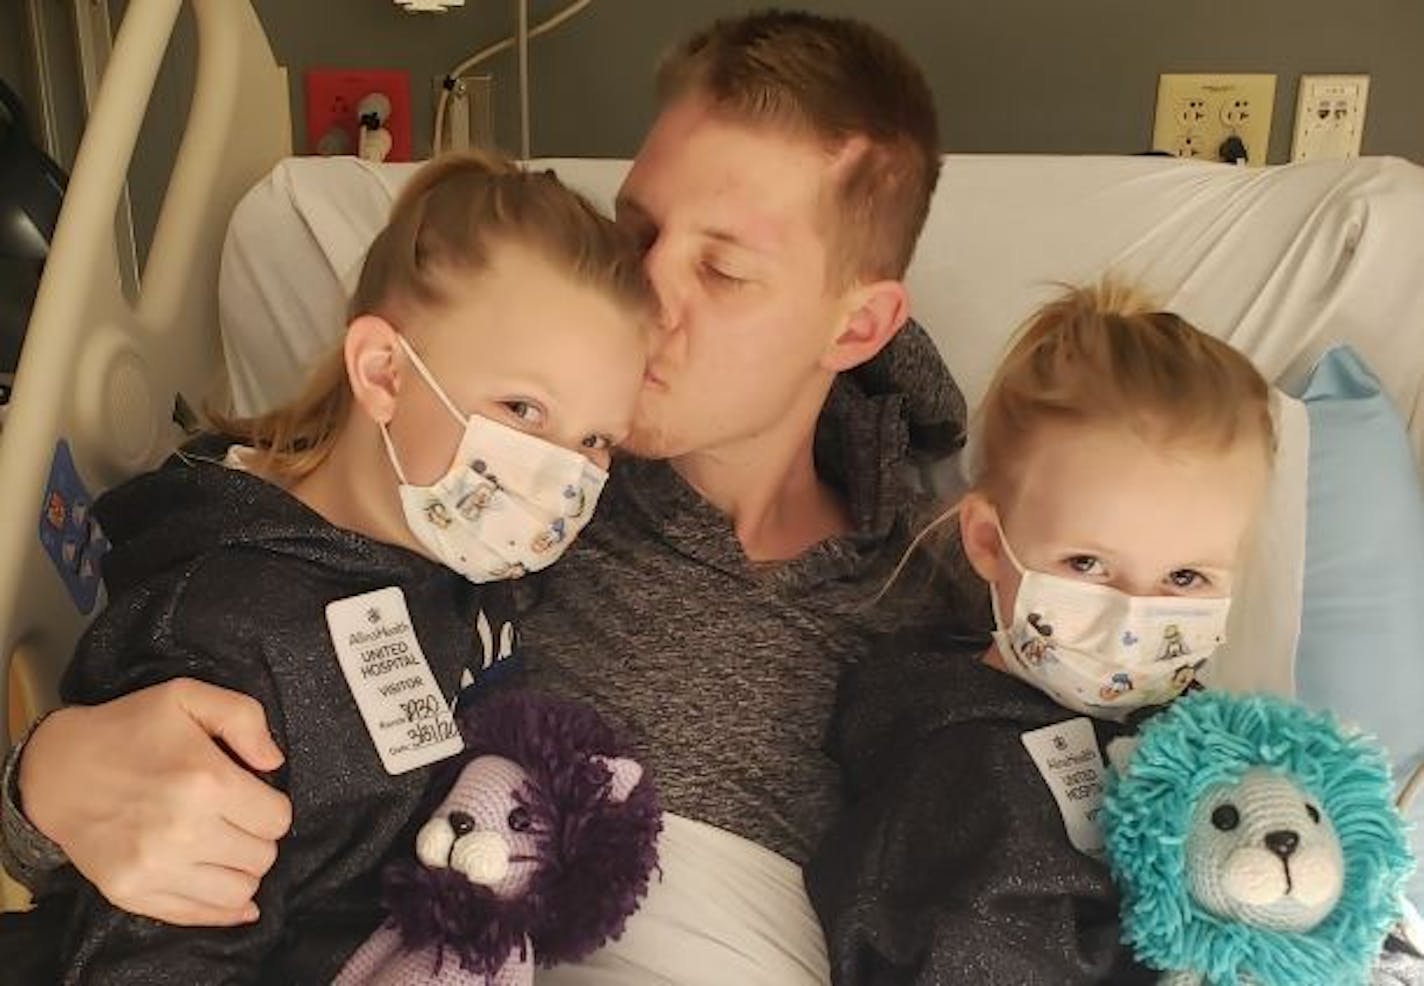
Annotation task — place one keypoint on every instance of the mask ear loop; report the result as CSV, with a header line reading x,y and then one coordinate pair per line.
x,y
425,375
1008,548
391,454
999,623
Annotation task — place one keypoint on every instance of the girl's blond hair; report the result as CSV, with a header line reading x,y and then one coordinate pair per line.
x,y
1105,353
449,219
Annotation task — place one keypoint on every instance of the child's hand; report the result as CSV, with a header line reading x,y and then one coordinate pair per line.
x,y
150,808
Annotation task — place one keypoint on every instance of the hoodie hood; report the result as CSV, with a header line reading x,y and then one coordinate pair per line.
x,y
195,505
879,422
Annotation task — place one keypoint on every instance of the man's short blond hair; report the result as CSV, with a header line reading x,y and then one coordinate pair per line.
x,y
846,85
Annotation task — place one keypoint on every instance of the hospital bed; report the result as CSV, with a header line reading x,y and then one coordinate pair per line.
x,y
253,253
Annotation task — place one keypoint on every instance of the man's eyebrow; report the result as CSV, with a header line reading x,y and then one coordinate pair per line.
x,y
722,235
627,204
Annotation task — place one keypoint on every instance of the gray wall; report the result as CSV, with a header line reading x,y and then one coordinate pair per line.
x,y
1022,75
1043,76
1009,75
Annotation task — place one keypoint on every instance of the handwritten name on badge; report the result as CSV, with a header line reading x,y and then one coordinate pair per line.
x,y
1067,756
398,695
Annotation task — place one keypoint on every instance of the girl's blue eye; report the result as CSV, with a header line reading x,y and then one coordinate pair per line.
x,y
1188,578
526,411
1085,565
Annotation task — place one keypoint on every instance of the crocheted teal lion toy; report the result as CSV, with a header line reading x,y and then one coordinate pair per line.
x,y
1254,842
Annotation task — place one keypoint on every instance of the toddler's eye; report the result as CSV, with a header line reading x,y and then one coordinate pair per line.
x,y
526,411
1188,578
1085,565
597,443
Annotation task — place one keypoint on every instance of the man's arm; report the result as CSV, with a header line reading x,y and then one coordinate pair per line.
x,y
26,853
137,793
132,650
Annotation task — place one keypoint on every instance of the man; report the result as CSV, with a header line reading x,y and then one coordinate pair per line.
x,y
731,571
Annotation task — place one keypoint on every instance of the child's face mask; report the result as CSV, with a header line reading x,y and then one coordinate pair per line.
x,y
509,504
1100,651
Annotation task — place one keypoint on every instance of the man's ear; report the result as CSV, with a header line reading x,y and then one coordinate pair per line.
x,y
979,532
373,366
874,312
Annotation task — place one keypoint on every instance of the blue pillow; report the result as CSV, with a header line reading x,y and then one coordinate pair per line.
x,y
1361,650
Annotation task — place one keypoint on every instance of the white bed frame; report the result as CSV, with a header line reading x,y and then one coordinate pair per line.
x,y
114,405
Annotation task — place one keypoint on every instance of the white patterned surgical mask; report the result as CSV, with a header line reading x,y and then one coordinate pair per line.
x,y
510,503
1099,651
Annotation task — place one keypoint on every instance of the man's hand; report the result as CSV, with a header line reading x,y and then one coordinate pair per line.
x,y
151,809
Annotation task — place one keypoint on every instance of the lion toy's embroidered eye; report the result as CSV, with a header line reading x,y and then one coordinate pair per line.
x,y
1226,817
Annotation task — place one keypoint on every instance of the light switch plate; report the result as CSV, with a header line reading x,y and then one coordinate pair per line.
x,y
1196,114
1329,116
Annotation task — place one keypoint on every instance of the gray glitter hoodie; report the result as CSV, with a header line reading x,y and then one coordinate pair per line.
x,y
220,576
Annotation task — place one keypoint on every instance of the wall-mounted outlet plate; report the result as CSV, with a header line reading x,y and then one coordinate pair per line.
x,y
1329,116
1197,114
332,98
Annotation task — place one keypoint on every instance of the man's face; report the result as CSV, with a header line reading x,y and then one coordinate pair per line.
x,y
732,220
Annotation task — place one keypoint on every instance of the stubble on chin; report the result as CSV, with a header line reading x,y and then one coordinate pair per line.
x,y
647,440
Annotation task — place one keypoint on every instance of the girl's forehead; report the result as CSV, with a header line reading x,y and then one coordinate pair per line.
x,y
1105,487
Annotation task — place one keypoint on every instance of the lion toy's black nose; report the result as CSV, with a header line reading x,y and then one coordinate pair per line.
x,y
1282,843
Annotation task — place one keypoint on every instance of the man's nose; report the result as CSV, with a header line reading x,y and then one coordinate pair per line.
x,y
662,270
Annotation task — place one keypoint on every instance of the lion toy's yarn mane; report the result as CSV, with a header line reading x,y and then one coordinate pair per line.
x,y
595,853
1209,739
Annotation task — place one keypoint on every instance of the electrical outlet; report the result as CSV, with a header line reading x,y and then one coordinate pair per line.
x,y
1329,116
1198,114
332,98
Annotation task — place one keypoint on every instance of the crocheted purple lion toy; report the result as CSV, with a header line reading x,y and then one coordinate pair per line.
x,y
539,851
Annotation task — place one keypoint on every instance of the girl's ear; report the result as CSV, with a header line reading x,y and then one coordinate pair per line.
x,y
979,530
373,367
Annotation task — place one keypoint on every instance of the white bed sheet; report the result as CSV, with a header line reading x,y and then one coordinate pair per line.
x,y
724,911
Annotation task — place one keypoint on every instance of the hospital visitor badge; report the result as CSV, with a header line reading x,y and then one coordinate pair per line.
x,y
405,712
1067,756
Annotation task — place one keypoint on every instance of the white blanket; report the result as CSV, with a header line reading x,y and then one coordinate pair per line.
x,y
724,911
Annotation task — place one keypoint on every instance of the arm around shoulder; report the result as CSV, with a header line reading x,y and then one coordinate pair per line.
x,y
27,854
162,820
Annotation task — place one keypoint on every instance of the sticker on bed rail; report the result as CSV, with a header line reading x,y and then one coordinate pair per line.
x,y
69,532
